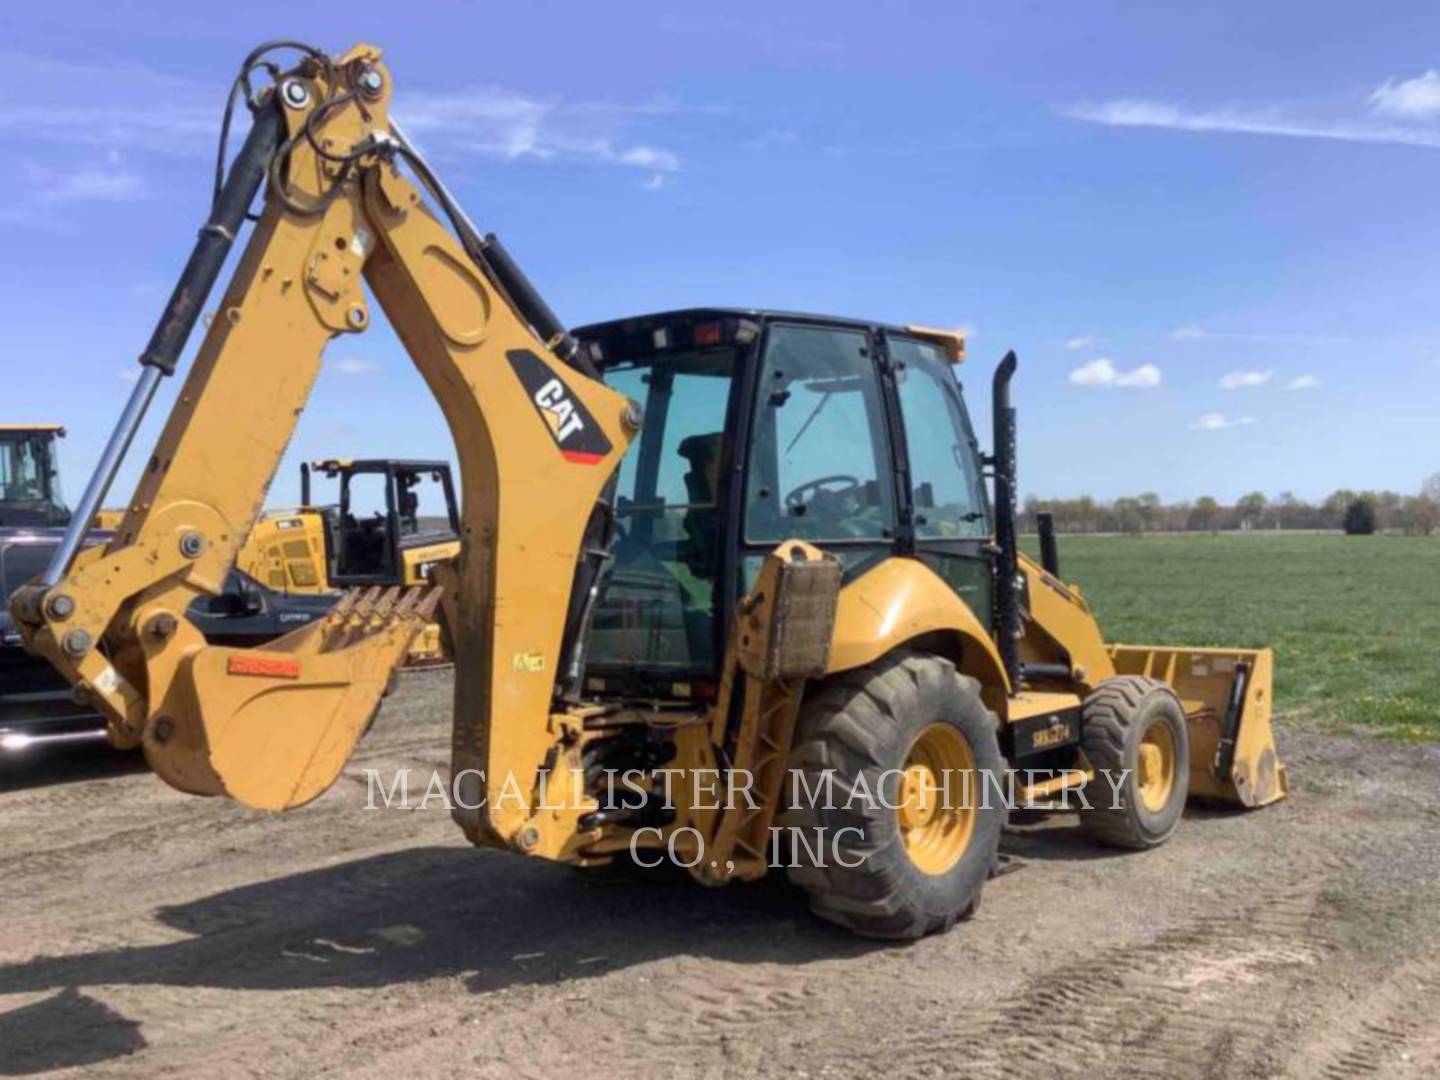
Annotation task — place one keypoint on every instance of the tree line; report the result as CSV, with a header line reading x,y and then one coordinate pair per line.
x,y
1352,511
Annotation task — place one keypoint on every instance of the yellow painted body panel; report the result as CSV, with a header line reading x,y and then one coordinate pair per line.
x,y
1060,627
285,551
899,600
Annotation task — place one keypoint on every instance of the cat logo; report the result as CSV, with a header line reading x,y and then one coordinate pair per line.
x,y
574,430
558,410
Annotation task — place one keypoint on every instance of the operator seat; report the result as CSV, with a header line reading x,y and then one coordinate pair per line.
x,y
702,489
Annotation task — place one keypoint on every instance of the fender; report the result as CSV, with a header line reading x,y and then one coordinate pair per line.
x,y
902,599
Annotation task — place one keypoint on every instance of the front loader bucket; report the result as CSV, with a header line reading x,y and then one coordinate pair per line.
x,y
272,727
1227,695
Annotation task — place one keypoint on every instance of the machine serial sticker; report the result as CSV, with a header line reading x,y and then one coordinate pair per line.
x,y
570,424
530,662
270,667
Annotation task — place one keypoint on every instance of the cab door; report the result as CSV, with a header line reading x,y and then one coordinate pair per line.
x,y
946,518
820,466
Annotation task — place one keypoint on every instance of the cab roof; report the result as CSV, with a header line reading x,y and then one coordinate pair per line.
x,y
365,465
952,341
56,428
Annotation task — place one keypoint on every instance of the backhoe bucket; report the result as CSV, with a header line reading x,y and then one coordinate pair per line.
x,y
1227,695
272,727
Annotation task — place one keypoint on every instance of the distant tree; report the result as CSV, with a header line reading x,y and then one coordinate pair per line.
x,y
1129,518
1360,518
1204,513
1431,488
1332,510
1148,506
1250,509
1290,511
1419,515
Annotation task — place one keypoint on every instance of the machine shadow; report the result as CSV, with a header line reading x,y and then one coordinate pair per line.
x,y
495,919
47,766
1042,836
65,1031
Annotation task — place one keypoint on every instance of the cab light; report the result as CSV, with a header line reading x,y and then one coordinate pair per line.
x,y
707,334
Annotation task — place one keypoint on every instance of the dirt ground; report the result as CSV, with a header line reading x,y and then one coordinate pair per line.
x,y
144,933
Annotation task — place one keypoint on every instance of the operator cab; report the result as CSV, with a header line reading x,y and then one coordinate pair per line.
x,y
385,507
30,476
858,441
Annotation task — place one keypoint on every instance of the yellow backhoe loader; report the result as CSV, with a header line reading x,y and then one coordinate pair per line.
x,y
721,571
324,546
321,547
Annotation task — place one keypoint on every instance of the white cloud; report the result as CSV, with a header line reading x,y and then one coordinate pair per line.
x,y
146,111
649,157
497,122
1417,98
106,105
1151,113
1103,372
1303,382
1215,421
354,365
95,185
1188,333
1085,341
654,182
1237,380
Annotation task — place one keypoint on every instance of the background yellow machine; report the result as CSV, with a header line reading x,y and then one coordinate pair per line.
x,y
377,531
705,549
30,477
321,546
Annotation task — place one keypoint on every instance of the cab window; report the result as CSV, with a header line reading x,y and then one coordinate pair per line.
x,y
656,601
819,467
947,489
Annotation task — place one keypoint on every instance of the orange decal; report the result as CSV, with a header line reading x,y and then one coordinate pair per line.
x,y
271,667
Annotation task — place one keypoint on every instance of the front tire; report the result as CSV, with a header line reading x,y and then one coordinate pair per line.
x,y
1135,727
901,855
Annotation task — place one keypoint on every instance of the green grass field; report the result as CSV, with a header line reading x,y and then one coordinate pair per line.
x,y
1354,621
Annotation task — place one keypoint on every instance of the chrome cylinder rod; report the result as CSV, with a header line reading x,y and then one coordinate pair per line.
x,y
104,474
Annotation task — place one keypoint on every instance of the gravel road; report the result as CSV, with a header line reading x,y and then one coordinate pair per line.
x,y
144,933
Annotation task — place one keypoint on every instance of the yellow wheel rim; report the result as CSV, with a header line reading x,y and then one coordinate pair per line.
x,y
1155,767
938,791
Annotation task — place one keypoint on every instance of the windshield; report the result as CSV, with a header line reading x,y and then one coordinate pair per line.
x,y
657,597
28,482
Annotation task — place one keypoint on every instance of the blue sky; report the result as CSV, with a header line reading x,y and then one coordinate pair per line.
x,y
1208,230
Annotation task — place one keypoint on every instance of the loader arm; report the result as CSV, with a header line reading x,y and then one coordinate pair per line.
x,y
537,439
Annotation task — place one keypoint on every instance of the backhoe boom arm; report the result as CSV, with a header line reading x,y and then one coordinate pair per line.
x,y
536,435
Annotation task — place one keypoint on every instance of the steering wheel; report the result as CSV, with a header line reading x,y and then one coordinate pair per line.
x,y
839,484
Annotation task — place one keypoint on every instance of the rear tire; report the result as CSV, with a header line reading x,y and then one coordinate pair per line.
x,y
1135,726
916,864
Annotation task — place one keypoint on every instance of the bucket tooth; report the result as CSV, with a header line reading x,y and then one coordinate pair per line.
x,y
380,614
427,606
344,606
